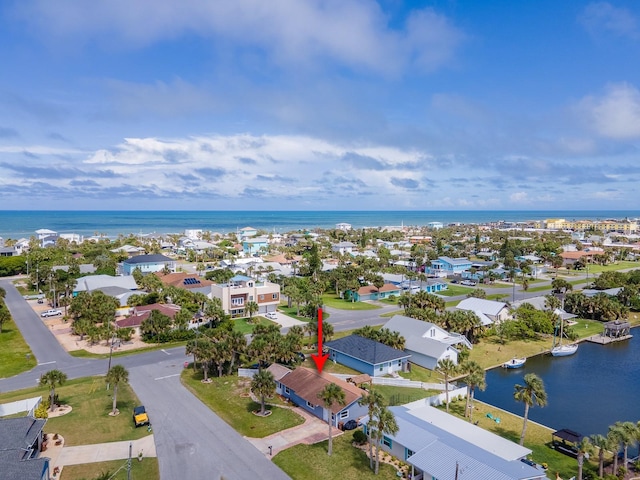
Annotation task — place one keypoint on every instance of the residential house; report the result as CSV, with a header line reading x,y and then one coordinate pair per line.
x,y
345,227
140,313
303,386
46,237
435,225
571,257
121,288
8,251
147,264
426,342
370,292
278,371
439,445
241,290
129,250
431,285
342,247
248,232
255,245
443,266
367,356
187,281
21,441
489,311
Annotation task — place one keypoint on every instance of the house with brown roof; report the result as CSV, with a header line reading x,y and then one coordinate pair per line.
x,y
370,292
571,257
303,386
140,313
189,281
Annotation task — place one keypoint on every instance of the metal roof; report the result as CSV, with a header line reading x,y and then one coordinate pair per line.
x,y
414,332
488,307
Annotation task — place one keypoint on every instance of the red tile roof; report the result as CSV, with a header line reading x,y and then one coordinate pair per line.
x,y
369,289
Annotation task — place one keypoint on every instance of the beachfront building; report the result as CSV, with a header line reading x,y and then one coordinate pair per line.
x,y
345,227
241,290
438,445
435,225
147,264
248,232
625,226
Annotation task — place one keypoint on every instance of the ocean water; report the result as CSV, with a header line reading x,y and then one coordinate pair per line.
x,y
18,224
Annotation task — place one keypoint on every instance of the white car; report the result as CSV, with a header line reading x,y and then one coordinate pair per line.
x,y
469,283
51,313
271,315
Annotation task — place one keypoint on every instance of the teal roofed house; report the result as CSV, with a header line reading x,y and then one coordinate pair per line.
x,y
252,246
444,266
147,264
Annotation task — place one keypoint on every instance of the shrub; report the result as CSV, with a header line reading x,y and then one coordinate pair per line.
x,y
42,410
359,437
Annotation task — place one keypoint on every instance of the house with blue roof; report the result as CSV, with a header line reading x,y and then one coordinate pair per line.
x,y
147,264
367,356
444,266
440,446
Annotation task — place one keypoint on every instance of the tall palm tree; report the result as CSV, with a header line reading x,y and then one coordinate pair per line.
x,y
614,437
531,393
52,379
602,443
627,435
331,395
447,368
264,385
386,426
251,308
116,375
374,402
475,378
584,448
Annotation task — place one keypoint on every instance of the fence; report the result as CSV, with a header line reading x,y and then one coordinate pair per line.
x,y
247,372
398,382
27,405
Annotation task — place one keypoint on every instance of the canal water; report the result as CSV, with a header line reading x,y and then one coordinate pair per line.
x,y
587,392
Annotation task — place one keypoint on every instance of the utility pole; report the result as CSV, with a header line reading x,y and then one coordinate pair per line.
x,y
113,336
129,462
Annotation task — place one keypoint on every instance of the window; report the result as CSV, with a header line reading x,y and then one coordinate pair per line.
x,y
399,363
380,367
237,301
251,298
387,441
274,296
408,452
344,414
260,297
286,390
310,405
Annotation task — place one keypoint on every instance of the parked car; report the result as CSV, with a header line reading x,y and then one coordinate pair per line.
x,y
350,425
51,313
40,300
271,315
140,416
469,283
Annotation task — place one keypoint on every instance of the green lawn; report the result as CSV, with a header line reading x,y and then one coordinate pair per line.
x,y
160,346
243,326
146,469
292,312
89,421
223,396
421,374
311,462
402,395
332,300
454,290
611,267
15,355
538,437
391,314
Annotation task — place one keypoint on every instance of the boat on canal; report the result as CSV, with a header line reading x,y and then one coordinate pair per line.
x,y
514,363
561,350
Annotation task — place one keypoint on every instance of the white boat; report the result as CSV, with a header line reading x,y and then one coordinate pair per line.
x,y
564,350
514,363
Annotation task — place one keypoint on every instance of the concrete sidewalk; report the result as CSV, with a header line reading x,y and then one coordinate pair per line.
x,y
103,452
313,430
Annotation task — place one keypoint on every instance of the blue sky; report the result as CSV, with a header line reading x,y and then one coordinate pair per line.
x,y
339,104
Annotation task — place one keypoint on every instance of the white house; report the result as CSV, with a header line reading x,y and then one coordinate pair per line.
x,y
426,342
489,311
342,247
345,227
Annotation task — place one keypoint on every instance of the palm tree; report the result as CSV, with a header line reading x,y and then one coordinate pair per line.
x,y
374,402
447,368
116,375
386,426
251,308
52,379
584,448
263,385
531,393
614,437
602,443
627,434
476,378
331,395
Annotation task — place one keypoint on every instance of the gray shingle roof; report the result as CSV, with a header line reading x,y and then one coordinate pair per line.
x,y
365,349
21,432
12,467
155,258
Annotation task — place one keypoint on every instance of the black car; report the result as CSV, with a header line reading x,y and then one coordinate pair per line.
x,y
350,425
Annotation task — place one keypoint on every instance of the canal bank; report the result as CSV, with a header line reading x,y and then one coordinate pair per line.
x,y
587,392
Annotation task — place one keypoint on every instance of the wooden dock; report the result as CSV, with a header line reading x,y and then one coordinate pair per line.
x,y
605,340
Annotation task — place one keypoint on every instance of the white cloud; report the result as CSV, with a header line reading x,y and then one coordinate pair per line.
x,y
354,33
519,197
603,17
616,114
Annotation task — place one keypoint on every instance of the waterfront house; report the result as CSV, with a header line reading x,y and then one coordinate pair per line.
x,y
303,386
367,356
489,311
426,342
241,290
438,445
21,441
147,264
248,232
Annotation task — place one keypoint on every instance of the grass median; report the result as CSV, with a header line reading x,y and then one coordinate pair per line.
x,y
148,468
15,355
332,300
228,398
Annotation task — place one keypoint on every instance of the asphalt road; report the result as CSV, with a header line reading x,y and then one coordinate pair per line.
x,y
191,441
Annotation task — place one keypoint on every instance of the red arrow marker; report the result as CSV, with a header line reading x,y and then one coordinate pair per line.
x,y
319,358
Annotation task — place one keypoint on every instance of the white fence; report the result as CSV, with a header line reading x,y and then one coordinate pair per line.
x,y
441,398
247,372
399,382
26,405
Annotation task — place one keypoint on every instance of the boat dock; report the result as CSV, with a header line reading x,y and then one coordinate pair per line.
x,y
605,340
